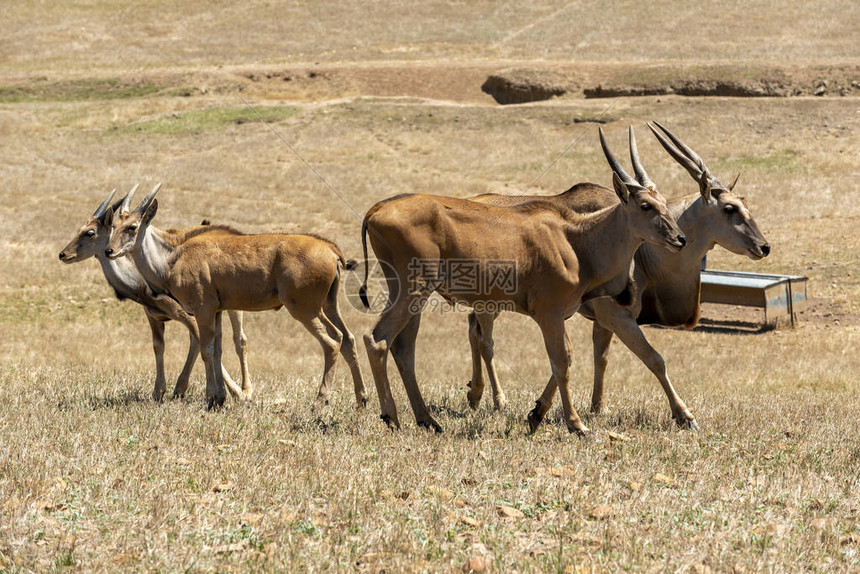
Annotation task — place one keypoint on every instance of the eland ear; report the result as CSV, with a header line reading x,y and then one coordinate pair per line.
x,y
107,217
150,211
705,187
735,182
620,188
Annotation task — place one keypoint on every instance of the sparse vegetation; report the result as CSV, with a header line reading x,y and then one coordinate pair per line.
x,y
786,161
95,476
196,121
86,89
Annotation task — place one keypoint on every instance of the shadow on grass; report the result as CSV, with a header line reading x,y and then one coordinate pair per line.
x,y
726,327
621,419
316,424
113,400
445,410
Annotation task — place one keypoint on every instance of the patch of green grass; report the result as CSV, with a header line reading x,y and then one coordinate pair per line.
x,y
84,89
211,119
779,161
65,559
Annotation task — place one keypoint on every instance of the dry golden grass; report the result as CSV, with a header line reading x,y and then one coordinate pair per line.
x,y
94,475
83,37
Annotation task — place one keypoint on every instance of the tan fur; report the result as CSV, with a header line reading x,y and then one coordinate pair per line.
x,y
209,273
560,257
91,241
666,285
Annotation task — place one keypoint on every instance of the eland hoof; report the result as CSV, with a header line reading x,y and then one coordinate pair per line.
x,y
534,420
432,425
391,423
687,422
215,403
580,430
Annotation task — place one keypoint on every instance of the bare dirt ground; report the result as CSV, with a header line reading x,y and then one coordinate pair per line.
x,y
383,99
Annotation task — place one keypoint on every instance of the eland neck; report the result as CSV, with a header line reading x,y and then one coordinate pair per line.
x,y
152,255
122,275
604,244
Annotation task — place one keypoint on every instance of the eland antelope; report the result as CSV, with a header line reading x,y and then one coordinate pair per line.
x,y
666,285
122,275
208,274
558,258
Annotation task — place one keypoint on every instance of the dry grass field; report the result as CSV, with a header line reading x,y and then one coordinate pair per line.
x,y
382,99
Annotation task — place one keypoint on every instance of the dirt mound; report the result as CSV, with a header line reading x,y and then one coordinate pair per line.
x,y
753,89
520,85
456,82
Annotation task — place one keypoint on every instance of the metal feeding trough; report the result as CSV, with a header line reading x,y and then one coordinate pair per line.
x,y
778,295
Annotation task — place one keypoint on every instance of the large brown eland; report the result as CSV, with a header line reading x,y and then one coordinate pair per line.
x,y
209,274
127,283
552,259
666,285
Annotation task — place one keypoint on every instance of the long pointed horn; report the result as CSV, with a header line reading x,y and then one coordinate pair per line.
x,y
641,175
613,161
685,162
144,205
103,207
683,147
125,206
735,182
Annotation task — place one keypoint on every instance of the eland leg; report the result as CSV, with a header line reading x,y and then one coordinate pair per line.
x,y
229,383
476,383
157,328
558,349
329,339
347,346
487,349
378,342
403,350
628,331
175,312
600,340
240,342
209,326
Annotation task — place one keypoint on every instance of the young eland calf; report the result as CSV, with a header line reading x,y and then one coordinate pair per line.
x,y
558,258
209,274
122,275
